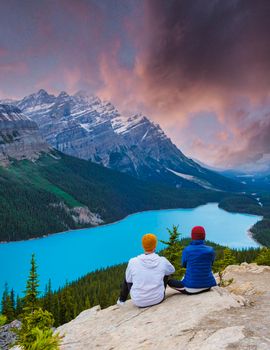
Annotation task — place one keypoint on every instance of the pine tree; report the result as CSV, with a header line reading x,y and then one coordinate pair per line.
x,y
87,303
36,330
174,251
264,257
69,305
4,300
48,297
19,306
31,293
229,258
3,320
220,265
8,304
56,310
12,301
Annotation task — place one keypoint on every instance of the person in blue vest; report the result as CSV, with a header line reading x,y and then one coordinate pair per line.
x,y
198,259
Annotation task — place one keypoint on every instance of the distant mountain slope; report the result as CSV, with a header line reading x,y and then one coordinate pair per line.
x,y
88,128
58,192
19,136
253,182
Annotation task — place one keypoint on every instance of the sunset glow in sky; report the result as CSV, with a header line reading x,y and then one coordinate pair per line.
x,y
200,68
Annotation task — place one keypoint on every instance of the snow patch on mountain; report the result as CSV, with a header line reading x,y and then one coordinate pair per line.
x,y
205,184
13,114
122,124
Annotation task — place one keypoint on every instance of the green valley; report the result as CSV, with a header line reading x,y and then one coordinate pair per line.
x,y
39,197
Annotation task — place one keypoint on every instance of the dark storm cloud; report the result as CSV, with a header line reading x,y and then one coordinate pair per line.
x,y
211,56
214,42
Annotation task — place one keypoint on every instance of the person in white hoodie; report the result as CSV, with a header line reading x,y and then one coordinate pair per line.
x,y
146,276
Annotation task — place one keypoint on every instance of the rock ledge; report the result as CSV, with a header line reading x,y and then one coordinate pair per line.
x,y
224,318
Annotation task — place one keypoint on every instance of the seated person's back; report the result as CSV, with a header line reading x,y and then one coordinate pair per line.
x,y
146,273
198,259
145,276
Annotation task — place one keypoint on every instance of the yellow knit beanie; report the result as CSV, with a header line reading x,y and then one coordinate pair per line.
x,y
149,242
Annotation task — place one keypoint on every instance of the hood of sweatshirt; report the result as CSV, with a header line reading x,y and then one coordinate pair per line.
x,y
149,261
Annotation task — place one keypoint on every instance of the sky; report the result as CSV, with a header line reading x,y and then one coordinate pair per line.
x,y
199,68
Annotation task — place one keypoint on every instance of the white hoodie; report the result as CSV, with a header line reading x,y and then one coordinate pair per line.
x,y
146,272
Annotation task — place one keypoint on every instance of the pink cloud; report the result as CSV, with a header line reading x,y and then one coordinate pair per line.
x,y
3,51
13,68
183,60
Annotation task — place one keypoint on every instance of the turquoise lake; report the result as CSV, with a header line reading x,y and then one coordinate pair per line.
x,y
69,255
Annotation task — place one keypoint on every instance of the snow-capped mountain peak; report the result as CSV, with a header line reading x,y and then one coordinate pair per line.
x,y
11,113
62,94
84,126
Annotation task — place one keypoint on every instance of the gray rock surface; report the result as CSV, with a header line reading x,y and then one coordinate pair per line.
x,y
19,136
219,319
81,215
7,337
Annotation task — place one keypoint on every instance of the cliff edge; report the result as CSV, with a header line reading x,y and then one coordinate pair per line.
x,y
19,136
235,317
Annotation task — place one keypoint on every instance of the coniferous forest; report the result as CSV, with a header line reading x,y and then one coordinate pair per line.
x,y
37,198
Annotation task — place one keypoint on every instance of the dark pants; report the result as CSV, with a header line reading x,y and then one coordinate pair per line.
x,y
178,285
125,288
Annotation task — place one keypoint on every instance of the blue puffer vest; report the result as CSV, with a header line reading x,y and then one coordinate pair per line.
x,y
198,259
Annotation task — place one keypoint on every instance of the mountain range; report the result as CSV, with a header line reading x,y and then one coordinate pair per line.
x,y
43,190
88,128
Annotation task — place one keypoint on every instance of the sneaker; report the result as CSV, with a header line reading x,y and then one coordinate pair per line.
x,y
120,303
179,289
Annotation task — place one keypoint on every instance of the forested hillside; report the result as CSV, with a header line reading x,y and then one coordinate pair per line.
x,y
260,205
46,196
41,197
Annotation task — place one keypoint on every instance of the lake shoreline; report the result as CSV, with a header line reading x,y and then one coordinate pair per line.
x,y
251,235
106,224
249,232
70,256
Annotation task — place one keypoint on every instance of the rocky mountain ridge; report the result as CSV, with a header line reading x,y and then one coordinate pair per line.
x,y
19,136
89,128
236,317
